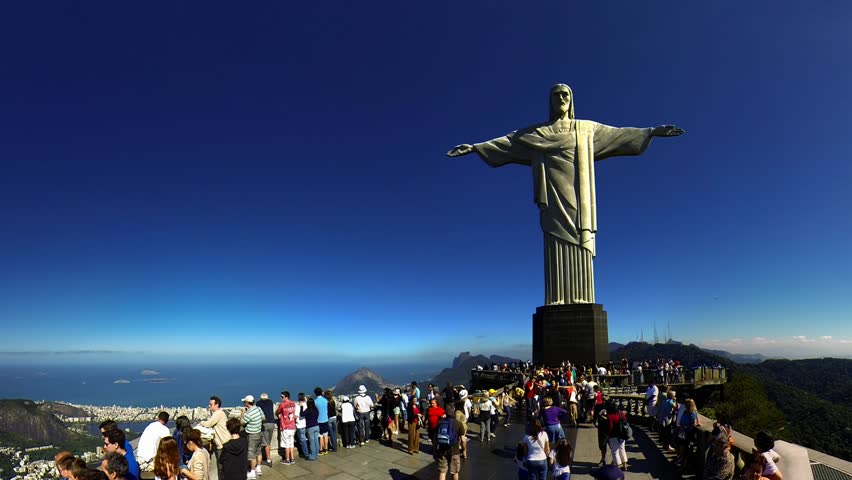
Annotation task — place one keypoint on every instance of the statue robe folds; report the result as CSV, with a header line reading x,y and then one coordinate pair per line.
x,y
562,163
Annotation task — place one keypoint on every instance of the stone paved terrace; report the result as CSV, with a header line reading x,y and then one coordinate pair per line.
x,y
376,461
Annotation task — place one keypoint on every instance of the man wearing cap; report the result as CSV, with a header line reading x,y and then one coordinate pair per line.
x,y
268,428
252,417
363,404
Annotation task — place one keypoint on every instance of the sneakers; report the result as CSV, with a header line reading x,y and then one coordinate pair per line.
x,y
493,435
251,475
285,462
362,444
258,471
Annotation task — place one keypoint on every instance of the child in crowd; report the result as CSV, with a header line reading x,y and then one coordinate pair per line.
x,y
562,457
520,455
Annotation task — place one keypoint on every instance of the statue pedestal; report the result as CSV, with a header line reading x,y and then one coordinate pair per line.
x,y
576,332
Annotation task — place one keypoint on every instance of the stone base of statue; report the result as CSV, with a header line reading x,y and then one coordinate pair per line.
x,y
576,332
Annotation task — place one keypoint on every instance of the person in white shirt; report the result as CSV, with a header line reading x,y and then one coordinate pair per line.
x,y
363,404
651,398
150,439
538,449
347,418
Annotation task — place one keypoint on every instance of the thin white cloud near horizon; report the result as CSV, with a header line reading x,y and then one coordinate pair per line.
x,y
793,347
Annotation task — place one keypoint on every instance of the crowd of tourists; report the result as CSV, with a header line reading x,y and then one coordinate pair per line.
x,y
304,427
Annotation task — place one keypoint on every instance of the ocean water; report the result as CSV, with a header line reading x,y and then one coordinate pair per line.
x,y
178,385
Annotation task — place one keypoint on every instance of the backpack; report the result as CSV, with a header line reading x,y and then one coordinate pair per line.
x,y
446,433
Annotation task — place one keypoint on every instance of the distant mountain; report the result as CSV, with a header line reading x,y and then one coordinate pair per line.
x,y
374,382
459,373
24,421
688,355
66,410
740,357
615,346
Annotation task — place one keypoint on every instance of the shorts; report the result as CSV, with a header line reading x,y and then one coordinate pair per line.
x,y
266,434
323,429
287,438
253,444
454,464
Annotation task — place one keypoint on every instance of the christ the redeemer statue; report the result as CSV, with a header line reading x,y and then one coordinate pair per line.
x,y
562,155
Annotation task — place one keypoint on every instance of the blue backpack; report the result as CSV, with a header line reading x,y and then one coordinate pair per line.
x,y
446,434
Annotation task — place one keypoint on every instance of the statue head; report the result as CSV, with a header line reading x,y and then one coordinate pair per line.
x,y
561,101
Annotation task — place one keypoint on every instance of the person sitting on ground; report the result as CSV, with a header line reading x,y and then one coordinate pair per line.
x,y
198,466
114,441
764,444
114,465
234,456
167,460
150,440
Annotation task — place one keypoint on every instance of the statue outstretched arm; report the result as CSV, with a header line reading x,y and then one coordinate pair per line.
x,y
460,150
667,131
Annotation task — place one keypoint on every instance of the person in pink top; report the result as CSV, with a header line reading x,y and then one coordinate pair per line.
x,y
286,414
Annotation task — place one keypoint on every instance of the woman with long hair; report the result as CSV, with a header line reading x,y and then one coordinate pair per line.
x,y
538,449
686,428
311,415
332,421
167,460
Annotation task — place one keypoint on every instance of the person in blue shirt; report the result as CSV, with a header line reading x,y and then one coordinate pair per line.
x,y
114,441
322,419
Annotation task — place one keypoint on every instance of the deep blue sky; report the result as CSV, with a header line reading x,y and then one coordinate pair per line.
x,y
196,179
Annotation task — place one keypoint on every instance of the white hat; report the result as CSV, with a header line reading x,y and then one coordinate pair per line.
x,y
248,398
264,396
462,393
362,389
345,398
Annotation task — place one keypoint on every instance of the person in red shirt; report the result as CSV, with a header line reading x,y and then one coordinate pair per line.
x,y
433,415
616,444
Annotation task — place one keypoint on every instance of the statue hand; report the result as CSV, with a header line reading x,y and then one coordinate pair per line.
x,y
460,150
666,131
